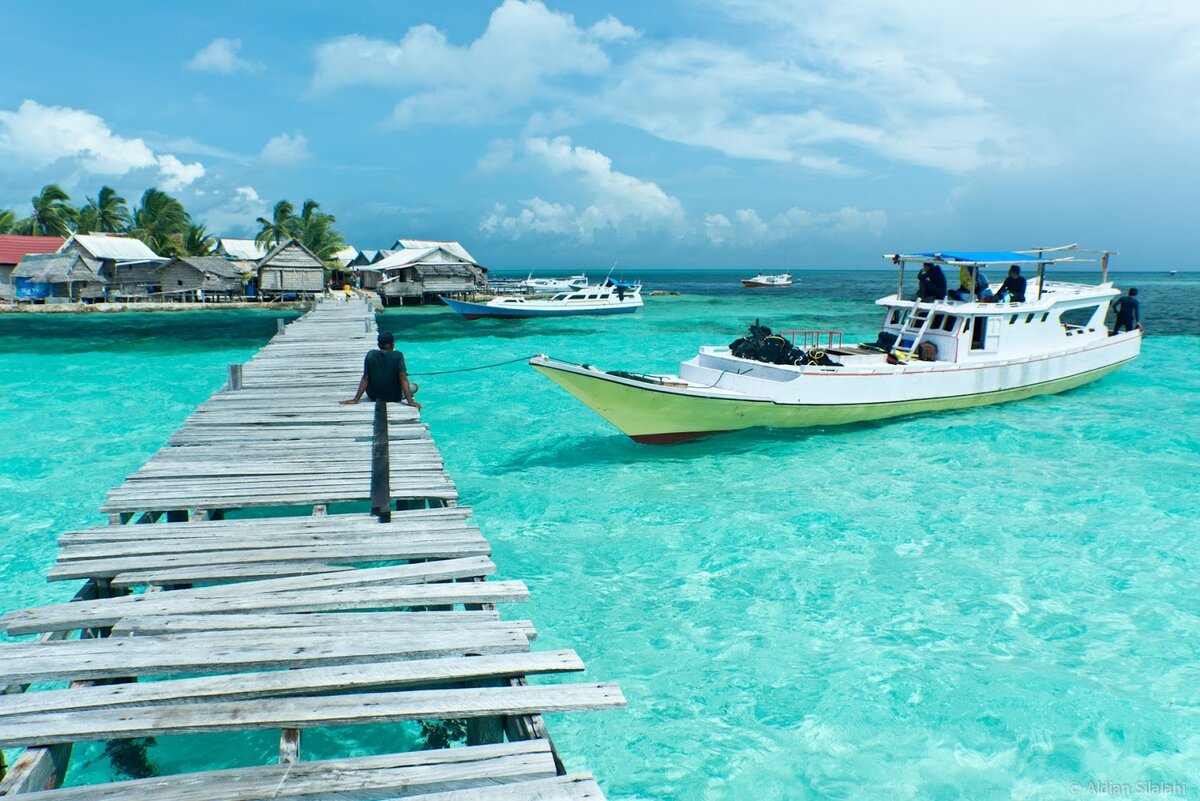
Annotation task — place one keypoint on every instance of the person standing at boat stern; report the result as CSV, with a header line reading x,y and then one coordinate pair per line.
x,y
385,377
1128,315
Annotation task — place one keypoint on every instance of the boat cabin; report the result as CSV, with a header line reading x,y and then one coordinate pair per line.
x,y
1049,316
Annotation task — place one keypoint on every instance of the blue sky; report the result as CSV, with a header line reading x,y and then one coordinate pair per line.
x,y
802,134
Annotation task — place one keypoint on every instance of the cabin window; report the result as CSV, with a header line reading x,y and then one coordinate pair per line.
x,y
895,316
1045,316
577,297
1079,317
937,321
1013,319
593,297
978,333
1029,318
560,297
950,324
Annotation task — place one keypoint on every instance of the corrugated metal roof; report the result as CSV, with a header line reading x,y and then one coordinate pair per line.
x,y
424,244
242,249
14,246
118,248
438,254
58,268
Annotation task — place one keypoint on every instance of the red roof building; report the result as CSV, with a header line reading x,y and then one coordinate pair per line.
x,y
13,248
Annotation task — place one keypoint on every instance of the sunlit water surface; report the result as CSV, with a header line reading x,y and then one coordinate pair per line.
x,y
994,603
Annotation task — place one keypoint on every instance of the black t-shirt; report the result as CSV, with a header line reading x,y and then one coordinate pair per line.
x,y
382,369
1126,308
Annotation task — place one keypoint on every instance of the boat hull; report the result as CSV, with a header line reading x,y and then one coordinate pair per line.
x,y
476,311
656,414
748,283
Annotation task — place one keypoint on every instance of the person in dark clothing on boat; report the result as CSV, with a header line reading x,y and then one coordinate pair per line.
x,y
385,377
1013,288
1128,315
931,283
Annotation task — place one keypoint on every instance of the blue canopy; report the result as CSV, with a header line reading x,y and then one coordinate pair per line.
x,y
983,257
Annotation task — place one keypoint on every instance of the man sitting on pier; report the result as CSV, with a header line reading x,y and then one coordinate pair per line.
x,y
385,378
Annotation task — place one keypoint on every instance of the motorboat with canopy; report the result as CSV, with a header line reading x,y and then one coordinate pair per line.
x,y
930,355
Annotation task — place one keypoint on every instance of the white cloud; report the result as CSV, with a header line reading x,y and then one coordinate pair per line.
x,y
747,228
615,202
175,175
611,29
221,56
38,136
525,49
285,150
234,213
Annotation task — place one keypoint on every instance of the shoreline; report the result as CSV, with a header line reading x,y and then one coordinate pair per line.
x,y
147,306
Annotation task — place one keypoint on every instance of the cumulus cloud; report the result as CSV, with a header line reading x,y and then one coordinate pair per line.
x,y
615,201
37,136
175,175
285,150
234,213
747,228
525,49
221,56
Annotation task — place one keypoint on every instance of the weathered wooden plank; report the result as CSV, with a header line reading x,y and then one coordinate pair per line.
x,y
224,651
180,556
348,621
224,574
403,775
374,676
304,712
109,611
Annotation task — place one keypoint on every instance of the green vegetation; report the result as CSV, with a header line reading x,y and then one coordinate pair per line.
x,y
162,222
313,227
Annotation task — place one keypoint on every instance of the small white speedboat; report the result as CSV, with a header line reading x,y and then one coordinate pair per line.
x,y
546,286
764,280
611,297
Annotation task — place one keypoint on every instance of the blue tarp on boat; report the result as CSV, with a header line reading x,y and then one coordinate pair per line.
x,y
983,256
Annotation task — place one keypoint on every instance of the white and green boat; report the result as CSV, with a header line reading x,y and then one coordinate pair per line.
x,y
931,356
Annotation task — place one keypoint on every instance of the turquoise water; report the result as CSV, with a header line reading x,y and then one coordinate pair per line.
x,y
995,603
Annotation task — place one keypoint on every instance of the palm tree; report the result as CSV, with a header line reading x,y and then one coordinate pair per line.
x,y
282,226
161,222
86,220
53,214
317,232
110,209
197,241
8,221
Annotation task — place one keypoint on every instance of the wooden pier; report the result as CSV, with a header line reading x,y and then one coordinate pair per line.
x,y
329,617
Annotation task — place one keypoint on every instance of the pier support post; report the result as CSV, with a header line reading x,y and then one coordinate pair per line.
x,y
235,376
381,472
279,325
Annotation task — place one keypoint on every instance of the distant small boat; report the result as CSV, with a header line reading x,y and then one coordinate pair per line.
x,y
1173,272
762,279
613,297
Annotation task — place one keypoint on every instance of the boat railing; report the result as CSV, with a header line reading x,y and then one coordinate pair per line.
x,y
811,338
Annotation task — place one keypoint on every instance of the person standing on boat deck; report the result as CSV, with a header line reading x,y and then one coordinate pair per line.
x,y
1128,315
385,377
1013,287
931,283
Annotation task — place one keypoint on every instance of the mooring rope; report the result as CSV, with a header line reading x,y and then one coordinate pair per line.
x,y
479,367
